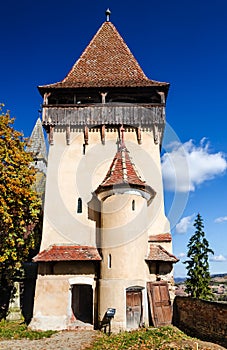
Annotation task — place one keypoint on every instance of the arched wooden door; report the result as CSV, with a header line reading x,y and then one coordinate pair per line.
x,y
133,308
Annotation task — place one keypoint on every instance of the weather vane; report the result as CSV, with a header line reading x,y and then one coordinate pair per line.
x,y
108,13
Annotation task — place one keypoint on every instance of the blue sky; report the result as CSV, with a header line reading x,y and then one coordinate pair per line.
x,y
180,41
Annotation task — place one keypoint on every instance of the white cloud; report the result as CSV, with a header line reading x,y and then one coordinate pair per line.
x,y
181,255
186,166
184,224
221,219
218,258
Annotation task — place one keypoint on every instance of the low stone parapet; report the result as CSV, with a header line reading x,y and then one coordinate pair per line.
x,y
203,319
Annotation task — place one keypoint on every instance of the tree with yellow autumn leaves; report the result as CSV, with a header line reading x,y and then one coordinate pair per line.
x,y
20,206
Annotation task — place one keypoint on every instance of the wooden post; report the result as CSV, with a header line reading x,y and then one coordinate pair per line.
x,y
103,132
86,130
68,134
138,133
103,94
51,135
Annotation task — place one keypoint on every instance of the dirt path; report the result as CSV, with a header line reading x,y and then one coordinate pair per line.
x,y
78,340
75,340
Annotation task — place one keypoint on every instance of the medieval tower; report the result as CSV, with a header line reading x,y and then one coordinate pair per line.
x,y
106,241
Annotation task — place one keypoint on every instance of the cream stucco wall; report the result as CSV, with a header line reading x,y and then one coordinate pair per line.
x,y
53,300
72,175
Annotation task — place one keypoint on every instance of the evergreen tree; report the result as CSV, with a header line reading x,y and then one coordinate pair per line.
x,y
19,207
198,280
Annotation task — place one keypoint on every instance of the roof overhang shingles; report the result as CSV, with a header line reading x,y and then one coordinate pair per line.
x,y
160,237
158,253
68,253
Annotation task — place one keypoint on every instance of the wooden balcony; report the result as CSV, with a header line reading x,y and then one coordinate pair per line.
x,y
135,115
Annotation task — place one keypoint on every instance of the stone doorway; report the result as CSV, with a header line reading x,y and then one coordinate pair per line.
x,y
82,302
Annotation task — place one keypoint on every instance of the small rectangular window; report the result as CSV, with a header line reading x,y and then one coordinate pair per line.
x,y
109,261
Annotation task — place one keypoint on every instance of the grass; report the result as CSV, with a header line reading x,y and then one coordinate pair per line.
x,y
146,338
19,330
143,339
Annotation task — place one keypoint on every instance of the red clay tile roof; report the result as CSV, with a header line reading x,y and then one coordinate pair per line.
x,y
161,237
106,62
68,253
158,253
122,172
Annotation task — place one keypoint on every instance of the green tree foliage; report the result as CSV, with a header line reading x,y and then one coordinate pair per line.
x,y
19,206
198,280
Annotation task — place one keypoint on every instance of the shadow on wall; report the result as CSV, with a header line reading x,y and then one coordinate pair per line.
x,y
27,291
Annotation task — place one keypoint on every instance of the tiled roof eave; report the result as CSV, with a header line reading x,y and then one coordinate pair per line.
x,y
158,254
160,237
95,84
68,253
174,261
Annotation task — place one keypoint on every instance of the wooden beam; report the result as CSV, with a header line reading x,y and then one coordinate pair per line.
x,y
51,135
103,134
139,136
68,135
86,130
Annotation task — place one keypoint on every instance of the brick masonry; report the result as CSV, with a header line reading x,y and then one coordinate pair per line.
x,y
203,319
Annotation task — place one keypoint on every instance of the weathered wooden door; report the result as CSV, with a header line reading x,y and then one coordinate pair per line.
x,y
160,305
133,308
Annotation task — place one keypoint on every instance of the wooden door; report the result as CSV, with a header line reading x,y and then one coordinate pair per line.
x,y
133,308
160,305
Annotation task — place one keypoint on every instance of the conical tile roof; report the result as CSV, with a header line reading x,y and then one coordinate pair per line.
x,y
123,174
106,62
122,170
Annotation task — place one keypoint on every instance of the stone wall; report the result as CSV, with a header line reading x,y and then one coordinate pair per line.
x,y
203,319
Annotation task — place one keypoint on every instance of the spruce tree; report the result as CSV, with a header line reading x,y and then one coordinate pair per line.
x,y
198,280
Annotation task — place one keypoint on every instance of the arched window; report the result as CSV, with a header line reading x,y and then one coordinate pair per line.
x,y
79,206
133,204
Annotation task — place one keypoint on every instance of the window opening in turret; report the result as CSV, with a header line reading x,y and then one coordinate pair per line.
x,y
109,261
79,206
133,205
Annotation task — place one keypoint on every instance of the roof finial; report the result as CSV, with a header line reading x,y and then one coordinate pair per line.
x,y
122,130
108,13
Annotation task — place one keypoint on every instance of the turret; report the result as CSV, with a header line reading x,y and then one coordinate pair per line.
x,y
123,240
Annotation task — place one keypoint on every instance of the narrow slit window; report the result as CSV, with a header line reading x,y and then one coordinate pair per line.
x,y
109,261
133,205
79,206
